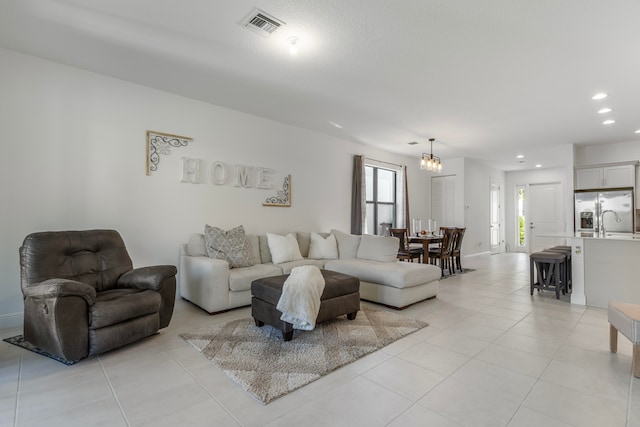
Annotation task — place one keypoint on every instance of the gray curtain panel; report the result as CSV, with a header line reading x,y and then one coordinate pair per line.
x,y
405,195
358,204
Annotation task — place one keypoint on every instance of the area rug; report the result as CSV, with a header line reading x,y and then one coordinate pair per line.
x,y
267,367
19,341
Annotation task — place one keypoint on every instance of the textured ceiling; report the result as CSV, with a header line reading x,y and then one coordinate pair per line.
x,y
489,79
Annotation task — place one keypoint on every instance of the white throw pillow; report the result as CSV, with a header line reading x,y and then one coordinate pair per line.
x,y
347,244
378,248
283,248
323,248
196,245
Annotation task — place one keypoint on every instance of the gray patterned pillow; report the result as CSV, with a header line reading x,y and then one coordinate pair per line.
x,y
231,246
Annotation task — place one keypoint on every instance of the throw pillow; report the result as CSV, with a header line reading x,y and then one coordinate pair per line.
x,y
378,248
231,246
347,244
283,248
323,248
196,245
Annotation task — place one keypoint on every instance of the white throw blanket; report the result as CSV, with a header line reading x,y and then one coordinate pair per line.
x,y
300,299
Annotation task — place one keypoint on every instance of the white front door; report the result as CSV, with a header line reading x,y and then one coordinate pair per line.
x,y
494,224
546,215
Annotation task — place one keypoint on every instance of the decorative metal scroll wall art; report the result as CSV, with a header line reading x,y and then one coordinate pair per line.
x,y
283,198
161,143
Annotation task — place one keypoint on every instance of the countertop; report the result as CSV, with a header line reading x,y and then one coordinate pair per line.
x,y
591,235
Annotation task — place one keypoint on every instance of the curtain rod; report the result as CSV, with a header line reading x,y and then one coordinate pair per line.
x,y
381,161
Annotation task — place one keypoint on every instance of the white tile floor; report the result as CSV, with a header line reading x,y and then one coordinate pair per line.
x,y
492,356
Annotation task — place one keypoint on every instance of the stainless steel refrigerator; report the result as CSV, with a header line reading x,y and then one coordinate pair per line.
x,y
590,206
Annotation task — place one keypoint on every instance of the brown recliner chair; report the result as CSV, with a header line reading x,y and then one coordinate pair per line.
x,y
82,296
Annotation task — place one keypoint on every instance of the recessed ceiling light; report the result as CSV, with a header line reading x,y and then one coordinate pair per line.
x,y
638,131
538,165
293,45
519,156
608,122
600,95
604,110
335,125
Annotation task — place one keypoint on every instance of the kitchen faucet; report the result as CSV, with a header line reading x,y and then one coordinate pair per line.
x,y
602,219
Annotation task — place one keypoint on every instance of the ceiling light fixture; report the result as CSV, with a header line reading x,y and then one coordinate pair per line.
x,y
519,156
335,125
600,95
638,131
608,122
429,161
293,45
538,165
604,110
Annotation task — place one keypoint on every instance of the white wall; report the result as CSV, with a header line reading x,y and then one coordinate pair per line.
x,y
473,202
477,206
73,157
538,176
607,153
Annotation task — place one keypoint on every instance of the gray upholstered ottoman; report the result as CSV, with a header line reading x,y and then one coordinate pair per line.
x,y
341,296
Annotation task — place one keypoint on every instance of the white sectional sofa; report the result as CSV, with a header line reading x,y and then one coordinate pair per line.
x,y
210,284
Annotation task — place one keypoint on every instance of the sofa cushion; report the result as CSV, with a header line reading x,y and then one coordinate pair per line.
x,y
263,244
347,244
304,241
254,248
196,245
378,248
230,245
240,278
396,274
283,248
323,248
288,266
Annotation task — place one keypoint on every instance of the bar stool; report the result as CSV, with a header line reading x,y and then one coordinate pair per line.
x,y
566,267
547,266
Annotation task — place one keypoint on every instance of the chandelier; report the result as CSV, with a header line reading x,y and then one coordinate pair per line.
x,y
429,161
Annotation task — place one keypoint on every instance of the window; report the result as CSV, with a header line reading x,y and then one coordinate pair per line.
x,y
380,199
521,235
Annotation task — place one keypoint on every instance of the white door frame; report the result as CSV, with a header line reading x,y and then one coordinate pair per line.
x,y
525,247
494,213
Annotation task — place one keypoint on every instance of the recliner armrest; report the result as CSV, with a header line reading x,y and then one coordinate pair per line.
x,y
53,288
147,277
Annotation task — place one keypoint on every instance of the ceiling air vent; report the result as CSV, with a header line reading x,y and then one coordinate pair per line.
x,y
262,23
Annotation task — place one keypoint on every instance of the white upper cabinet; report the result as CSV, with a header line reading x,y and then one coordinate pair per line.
x,y
617,176
589,178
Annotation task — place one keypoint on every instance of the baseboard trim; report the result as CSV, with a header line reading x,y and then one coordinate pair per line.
x,y
13,320
477,254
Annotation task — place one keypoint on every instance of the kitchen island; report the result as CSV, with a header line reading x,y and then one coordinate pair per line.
x,y
604,267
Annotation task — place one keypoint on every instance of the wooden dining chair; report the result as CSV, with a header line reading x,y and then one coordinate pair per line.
x,y
456,246
442,254
406,252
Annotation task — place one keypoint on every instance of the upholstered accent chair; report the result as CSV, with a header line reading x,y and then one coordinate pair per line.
x,y
83,297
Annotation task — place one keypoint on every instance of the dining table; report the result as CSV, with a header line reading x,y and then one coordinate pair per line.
x,y
426,240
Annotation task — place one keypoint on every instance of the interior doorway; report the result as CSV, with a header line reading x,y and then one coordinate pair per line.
x,y
494,221
521,243
546,215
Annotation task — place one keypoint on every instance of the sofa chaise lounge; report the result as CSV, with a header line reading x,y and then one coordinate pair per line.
x,y
212,285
